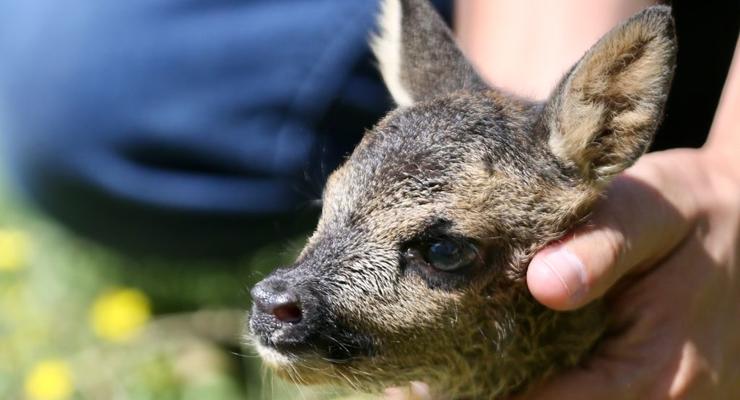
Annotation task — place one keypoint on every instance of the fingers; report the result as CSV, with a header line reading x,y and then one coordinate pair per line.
x,y
415,391
646,213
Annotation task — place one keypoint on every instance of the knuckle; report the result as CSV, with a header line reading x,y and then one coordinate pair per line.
x,y
614,242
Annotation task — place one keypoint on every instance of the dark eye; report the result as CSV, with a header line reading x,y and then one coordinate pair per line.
x,y
449,255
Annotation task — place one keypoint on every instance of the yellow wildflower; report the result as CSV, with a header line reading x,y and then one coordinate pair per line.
x,y
13,249
49,380
119,314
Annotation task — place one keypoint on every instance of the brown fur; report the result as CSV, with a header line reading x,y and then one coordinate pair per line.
x,y
508,174
612,101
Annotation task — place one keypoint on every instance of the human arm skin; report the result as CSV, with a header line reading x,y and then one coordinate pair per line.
x,y
526,46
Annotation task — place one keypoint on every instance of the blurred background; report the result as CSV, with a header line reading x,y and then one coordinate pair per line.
x,y
158,157
78,321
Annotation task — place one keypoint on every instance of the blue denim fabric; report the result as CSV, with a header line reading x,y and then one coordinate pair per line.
x,y
181,125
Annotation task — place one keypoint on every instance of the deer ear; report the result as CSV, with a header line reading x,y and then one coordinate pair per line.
x,y
604,112
417,53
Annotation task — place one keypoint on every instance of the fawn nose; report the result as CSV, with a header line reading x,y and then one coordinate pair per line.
x,y
277,298
291,315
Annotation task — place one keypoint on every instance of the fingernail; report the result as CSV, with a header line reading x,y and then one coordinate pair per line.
x,y
557,263
420,390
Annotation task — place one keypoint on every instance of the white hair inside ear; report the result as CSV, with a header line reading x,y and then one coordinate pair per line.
x,y
387,48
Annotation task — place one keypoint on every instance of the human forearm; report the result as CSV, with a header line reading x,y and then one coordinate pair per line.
x,y
724,137
525,46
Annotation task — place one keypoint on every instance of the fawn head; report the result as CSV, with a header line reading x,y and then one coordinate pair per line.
x,y
416,269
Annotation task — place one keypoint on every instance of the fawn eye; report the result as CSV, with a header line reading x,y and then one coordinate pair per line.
x,y
449,255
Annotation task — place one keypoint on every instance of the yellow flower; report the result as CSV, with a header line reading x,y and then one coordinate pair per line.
x,y
49,380
119,314
13,249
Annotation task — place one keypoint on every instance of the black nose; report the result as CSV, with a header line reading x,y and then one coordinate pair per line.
x,y
276,297
291,316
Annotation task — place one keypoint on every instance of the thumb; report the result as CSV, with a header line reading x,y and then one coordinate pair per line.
x,y
643,217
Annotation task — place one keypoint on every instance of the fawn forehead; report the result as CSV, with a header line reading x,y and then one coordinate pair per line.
x,y
431,161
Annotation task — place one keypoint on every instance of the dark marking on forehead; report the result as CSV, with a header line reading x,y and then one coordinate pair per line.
x,y
431,138
434,152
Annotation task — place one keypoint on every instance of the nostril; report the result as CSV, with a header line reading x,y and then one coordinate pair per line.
x,y
274,297
288,313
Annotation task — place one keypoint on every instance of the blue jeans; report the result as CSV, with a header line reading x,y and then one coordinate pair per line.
x,y
182,127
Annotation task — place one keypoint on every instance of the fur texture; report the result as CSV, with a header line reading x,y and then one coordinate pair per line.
x,y
464,162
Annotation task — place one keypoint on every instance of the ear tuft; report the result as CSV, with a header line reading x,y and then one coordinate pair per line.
x,y
604,113
417,53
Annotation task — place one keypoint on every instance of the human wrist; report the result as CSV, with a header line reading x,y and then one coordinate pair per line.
x,y
723,161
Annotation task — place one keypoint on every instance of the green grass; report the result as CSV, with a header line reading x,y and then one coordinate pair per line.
x,y
189,349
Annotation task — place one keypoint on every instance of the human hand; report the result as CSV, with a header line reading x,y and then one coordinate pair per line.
x,y
664,250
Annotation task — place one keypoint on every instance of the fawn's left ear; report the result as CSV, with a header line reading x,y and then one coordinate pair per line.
x,y
604,113
417,53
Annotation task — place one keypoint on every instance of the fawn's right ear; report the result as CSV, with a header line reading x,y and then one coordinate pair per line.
x,y
417,53
604,113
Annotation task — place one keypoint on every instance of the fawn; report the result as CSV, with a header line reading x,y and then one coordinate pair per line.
x,y
416,269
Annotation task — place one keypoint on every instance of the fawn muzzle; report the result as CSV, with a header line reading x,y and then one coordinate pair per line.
x,y
291,316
